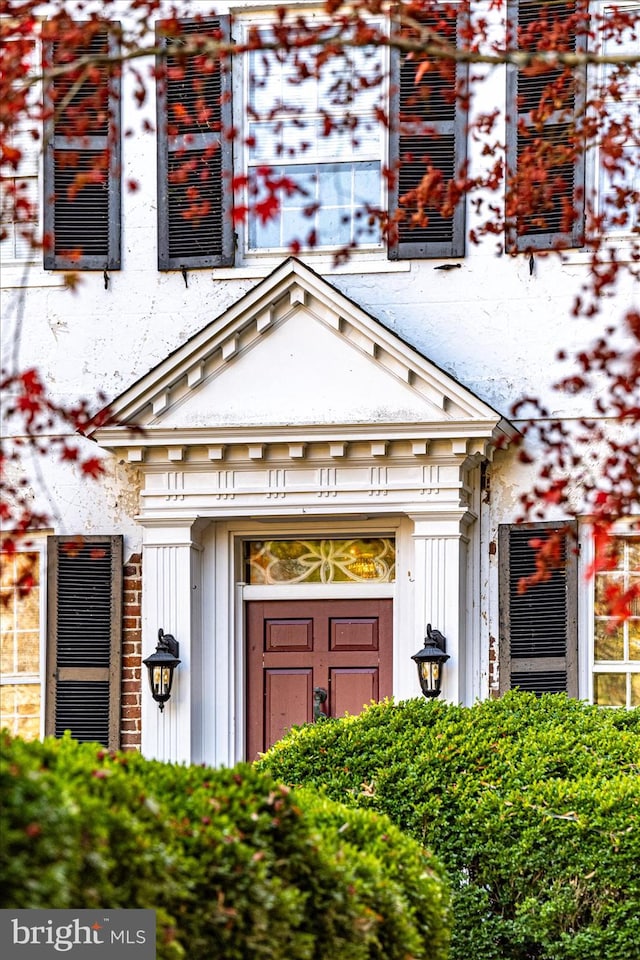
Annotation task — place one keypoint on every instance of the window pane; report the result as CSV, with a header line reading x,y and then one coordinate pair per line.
x,y
20,709
265,234
605,582
19,217
634,639
6,608
609,689
614,558
336,228
608,645
302,140
7,663
28,653
635,690
634,584
29,607
337,186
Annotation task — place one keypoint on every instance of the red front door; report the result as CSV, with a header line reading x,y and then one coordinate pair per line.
x,y
296,647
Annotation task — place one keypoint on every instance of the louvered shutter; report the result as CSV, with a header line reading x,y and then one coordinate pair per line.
x,y
84,638
428,130
195,226
82,166
538,204
538,628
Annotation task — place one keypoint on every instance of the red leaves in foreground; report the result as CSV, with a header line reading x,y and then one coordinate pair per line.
x,y
620,603
264,188
549,556
618,597
25,396
590,468
36,423
74,547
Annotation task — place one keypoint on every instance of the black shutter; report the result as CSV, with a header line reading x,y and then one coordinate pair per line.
x,y
427,131
195,200
84,638
538,627
82,166
537,209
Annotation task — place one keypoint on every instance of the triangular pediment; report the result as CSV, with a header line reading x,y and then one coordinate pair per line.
x,y
294,353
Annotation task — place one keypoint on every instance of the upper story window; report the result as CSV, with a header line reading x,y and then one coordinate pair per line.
x,y
19,195
323,138
619,182
307,143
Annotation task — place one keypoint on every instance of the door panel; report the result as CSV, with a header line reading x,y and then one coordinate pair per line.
x,y
344,646
361,634
350,689
287,694
289,635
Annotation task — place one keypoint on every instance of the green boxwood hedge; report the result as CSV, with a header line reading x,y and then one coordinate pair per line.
x,y
235,865
533,805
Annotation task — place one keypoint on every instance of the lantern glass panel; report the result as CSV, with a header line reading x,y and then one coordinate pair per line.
x,y
161,680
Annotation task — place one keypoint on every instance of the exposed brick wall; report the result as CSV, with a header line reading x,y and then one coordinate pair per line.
x,y
131,710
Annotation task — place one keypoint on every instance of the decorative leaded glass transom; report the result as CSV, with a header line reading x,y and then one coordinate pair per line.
x,y
360,560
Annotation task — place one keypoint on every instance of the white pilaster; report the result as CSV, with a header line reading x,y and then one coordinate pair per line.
x,y
169,566
440,545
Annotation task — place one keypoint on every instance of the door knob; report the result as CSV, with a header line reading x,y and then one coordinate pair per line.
x,y
319,697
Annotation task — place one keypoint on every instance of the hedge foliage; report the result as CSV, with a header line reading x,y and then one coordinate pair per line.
x,y
235,865
533,805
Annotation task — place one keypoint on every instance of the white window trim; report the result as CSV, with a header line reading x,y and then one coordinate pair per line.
x,y
36,543
21,264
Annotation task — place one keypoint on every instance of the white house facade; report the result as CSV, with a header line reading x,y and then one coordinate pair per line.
x,y
306,464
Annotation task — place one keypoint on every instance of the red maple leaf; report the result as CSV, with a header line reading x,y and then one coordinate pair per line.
x,y
92,467
267,209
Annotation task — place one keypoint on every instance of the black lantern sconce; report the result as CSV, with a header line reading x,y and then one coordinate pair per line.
x,y
430,660
161,665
